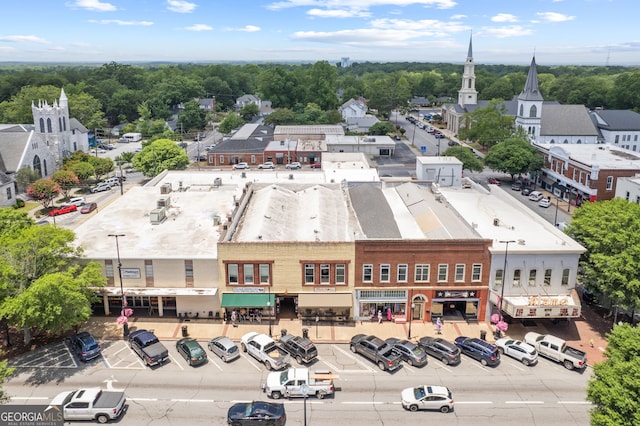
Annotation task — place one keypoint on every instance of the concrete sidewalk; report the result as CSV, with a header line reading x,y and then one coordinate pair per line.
x,y
578,333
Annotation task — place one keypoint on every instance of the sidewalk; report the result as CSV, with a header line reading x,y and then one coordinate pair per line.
x,y
578,333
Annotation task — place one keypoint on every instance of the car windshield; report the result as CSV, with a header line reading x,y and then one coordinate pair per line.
x,y
284,377
419,393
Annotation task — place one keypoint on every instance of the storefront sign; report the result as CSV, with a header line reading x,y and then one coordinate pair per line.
x,y
324,289
547,301
456,294
248,290
131,273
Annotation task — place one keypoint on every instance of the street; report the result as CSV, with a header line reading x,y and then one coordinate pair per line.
x,y
543,394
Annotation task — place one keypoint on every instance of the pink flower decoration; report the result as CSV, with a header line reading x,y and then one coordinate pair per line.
x,y
495,318
502,326
122,320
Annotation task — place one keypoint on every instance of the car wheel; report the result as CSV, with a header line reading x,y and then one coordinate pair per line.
x,y
483,362
268,365
413,408
568,365
299,359
353,349
501,351
381,365
320,395
102,418
410,362
445,360
526,362
444,409
276,395
244,348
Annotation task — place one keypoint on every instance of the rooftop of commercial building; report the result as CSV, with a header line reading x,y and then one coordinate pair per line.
x,y
604,156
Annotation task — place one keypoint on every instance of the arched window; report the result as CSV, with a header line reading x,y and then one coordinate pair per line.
x,y
49,125
41,125
565,141
60,123
521,110
44,166
552,141
37,167
533,111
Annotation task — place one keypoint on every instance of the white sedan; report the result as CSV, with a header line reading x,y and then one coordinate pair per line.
x,y
427,398
545,202
517,349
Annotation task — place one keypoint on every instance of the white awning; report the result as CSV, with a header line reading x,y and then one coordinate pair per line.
x,y
158,291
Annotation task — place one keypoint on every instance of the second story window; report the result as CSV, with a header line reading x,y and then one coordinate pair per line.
x,y
385,273
443,272
325,273
517,275
459,272
232,273
565,277
402,273
248,273
367,273
547,277
341,273
309,273
264,273
532,277
422,273
476,274
499,278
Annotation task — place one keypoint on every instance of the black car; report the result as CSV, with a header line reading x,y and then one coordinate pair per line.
x,y
256,413
411,353
441,349
85,346
479,350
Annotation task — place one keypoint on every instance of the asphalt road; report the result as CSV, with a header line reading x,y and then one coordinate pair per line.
x,y
176,393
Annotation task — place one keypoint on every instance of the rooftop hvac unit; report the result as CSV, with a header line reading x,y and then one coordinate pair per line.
x,y
165,188
216,220
157,216
369,139
217,181
290,176
164,202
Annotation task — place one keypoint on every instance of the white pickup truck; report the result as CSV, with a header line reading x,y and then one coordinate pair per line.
x,y
90,404
556,349
289,383
264,349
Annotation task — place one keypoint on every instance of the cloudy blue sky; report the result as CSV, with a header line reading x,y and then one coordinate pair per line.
x,y
586,32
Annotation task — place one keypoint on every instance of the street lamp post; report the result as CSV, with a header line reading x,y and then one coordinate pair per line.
x,y
504,274
555,221
410,318
269,312
304,389
125,330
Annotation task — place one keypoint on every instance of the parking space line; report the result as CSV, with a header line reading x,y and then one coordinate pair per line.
x,y
251,361
212,361
359,361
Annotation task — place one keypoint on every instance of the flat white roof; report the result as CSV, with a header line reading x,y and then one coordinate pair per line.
x,y
604,156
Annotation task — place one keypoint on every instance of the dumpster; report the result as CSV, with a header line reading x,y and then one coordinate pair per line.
x,y
483,334
185,331
305,333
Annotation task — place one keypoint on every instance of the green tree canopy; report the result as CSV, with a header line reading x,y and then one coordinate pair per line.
x,y
382,128
280,116
66,180
25,177
615,386
160,155
43,191
514,156
230,122
469,160
249,111
488,125
610,231
192,118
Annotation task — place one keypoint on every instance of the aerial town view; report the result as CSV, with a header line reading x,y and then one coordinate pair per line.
x,y
312,212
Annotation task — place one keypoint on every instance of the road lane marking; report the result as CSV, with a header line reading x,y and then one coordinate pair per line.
x,y
524,402
574,402
473,402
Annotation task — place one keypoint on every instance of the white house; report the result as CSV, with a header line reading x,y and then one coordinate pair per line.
x,y
353,108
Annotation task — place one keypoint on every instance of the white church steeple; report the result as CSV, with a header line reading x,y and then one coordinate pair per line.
x,y
468,95
530,102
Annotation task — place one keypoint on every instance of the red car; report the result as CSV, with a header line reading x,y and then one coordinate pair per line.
x,y
63,210
316,166
88,208
494,181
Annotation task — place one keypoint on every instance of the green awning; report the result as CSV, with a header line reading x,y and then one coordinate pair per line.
x,y
247,300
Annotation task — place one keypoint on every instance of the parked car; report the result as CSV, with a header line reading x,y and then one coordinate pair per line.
x,y
63,210
439,135
191,350
77,201
294,166
102,186
516,186
523,352
452,143
377,350
525,191
545,202
241,166
256,413
84,345
427,398
441,349
536,196
316,166
411,353
479,350
494,181
224,347
88,208
267,165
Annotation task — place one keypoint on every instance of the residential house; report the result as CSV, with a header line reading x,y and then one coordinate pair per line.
x,y
353,108
629,188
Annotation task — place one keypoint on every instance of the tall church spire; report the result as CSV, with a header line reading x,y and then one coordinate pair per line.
x,y
467,95
531,91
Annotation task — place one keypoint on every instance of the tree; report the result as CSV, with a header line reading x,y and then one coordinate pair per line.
x,y
5,373
280,116
66,180
230,122
18,109
382,128
249,111
610,231
25,177
158,156
87,110
387,92
192,117
56,302
469,160
615,386
488,125
514,156
101,166
43,191
83,169
322,86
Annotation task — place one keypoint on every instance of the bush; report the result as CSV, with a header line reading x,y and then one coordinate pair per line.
x,y
19,204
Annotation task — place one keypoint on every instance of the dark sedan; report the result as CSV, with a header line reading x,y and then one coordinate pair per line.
x,y
441,349
88,208
256,413
411,353
191,351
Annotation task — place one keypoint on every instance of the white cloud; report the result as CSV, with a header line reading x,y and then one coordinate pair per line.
x,y
199,27
7,49
25,38
508,31
459,16
180,6
95,5
246,29
121,22
555,17
80,44
504,17
359,4
58,49
338,13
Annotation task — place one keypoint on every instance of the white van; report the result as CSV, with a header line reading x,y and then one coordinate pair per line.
x,y
113,181
130,137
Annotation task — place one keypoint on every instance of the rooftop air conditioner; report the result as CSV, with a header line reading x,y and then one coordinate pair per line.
x,y
157,216
164,202
165,188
